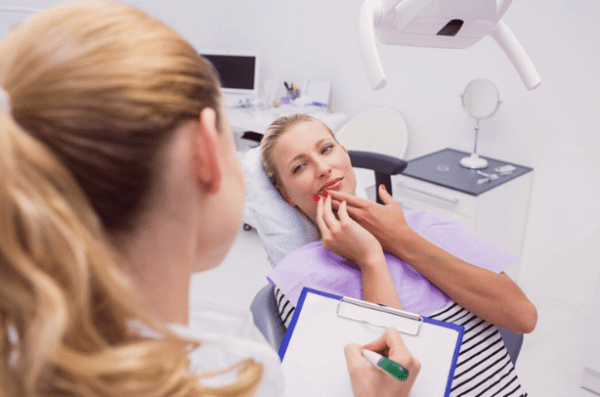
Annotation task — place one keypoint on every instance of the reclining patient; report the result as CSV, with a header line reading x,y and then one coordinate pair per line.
x,y
415,260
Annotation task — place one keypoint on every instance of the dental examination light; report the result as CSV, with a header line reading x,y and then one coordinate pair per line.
x,y
438,24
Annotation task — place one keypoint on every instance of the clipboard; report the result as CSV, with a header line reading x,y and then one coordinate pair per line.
x,y
312,351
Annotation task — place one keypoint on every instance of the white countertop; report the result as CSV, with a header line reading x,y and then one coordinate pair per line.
x,y
257,119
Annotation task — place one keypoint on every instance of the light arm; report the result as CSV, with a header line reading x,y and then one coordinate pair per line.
x,y
517,55
370,13
383,14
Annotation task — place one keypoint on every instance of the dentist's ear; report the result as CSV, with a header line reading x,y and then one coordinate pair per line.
x,y
207,160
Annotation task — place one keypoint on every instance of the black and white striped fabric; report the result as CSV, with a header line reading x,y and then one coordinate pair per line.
x,y
284,306
484,368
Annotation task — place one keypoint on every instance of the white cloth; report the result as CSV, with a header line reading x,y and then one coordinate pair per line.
x,y
228,336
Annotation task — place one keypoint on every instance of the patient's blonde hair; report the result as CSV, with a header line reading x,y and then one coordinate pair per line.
x,y
272,134
96,90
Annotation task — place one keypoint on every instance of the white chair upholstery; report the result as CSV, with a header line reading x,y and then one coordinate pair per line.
x,y
377,130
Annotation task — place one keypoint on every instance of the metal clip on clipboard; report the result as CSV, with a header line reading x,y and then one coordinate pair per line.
x,y
379,315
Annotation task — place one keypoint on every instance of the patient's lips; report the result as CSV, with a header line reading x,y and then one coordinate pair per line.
x,y
334,184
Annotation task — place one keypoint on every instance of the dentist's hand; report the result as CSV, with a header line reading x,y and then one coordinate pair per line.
x,y
346,237
368,381
386,222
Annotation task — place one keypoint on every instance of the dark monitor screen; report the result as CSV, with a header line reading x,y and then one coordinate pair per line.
x,y
236,71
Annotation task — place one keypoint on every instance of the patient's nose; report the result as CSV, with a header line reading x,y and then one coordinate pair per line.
x,y
323,168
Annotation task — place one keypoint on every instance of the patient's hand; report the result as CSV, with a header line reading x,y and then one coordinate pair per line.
x,y
386,222
346,237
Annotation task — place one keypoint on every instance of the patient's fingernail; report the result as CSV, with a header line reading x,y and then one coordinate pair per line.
x,y
316,197
383,187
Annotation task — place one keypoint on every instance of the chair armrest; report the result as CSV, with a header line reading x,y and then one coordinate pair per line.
x,y
513,343
384,166
266,316
252,136
377,162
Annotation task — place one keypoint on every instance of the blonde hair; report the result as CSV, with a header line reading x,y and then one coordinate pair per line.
x,y
96,90
272,134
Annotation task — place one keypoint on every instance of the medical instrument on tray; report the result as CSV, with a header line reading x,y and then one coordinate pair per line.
x,y
491,176
506,169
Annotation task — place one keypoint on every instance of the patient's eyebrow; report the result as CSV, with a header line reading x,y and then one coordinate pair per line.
x,y
302,155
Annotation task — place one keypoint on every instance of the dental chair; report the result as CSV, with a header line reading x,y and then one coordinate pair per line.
x,y
283,230
266,317
379,129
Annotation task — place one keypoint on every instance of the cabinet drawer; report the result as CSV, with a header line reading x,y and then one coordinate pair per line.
x,y
410,204
436,196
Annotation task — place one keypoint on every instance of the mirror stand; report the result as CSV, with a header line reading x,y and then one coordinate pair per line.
x,y
481,101
474,162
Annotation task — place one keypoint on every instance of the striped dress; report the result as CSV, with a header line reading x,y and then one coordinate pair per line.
x,y
484,368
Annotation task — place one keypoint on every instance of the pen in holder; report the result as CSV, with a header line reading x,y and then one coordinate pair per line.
x,y
292,90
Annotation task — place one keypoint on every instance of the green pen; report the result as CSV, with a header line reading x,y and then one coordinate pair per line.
x,y
385,364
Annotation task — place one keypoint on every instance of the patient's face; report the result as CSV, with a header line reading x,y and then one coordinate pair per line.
x,y
310,161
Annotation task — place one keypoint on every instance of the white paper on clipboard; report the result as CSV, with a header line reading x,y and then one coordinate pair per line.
x,y
314,363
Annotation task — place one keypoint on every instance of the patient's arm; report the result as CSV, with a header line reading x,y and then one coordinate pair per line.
x,y
347,238
491,296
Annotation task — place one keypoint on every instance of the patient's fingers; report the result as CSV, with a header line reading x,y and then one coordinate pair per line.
x,y
330,220
343,212
353,201
384,195
320,222
353,212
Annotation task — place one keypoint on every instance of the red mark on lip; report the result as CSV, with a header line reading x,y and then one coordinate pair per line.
x,y
316,197
325,193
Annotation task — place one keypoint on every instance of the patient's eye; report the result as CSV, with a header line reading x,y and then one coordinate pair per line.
x,y
297,168
326,149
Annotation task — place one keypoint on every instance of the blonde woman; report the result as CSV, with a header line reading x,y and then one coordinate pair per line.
x,y
118,179
428,264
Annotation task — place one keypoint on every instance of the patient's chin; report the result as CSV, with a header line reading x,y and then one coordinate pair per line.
x,y
309,213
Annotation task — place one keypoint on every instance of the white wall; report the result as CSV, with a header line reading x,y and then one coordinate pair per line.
x,y
555,129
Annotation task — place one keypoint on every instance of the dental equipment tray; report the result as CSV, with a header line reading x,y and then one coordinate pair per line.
x,y
443,168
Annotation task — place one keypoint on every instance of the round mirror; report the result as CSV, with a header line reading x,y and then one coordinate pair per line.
x,y
481,99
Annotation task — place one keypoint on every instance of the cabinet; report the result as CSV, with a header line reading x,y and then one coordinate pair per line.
x,y
258,119
495,207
